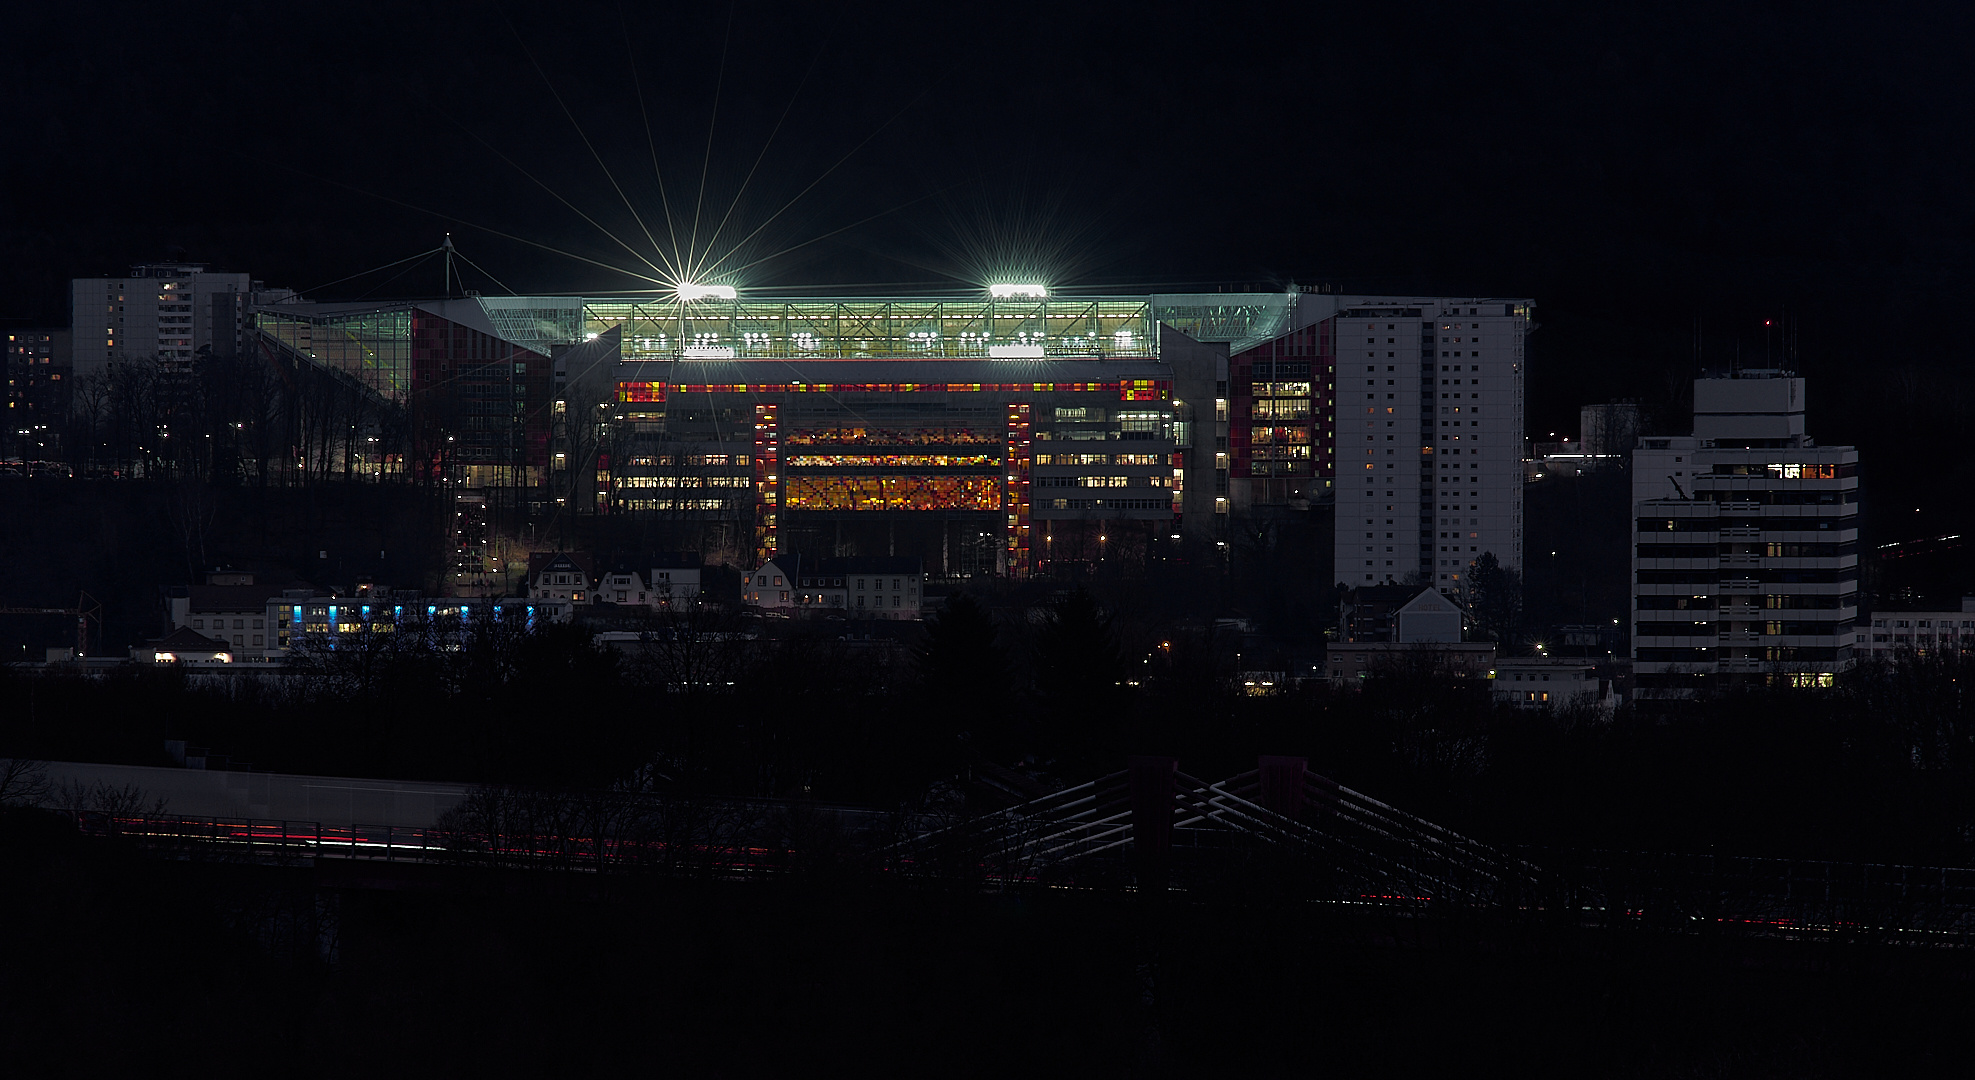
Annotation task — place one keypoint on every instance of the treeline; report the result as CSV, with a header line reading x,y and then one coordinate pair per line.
x,y
243,419
1880,769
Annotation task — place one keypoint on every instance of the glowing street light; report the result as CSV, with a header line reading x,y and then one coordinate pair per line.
x,y
1005,292
689,292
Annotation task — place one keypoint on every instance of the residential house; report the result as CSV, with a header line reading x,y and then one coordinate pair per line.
x,y
1537,682
676,579
771,586
184,646
561,575
860,587
1400,628
624,587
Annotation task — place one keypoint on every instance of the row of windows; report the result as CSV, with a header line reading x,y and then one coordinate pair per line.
x,y
1712,576
1769,551
651,460
673,504
1772,628
1287,435
1100,459
892,493
683,481
1285,409
1787,471
1101,481
890,461
916,436
1112,504
1774,524
1770,601
1705,655
1781,498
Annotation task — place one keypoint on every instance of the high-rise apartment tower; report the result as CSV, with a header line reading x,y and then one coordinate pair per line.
x,y
1429,439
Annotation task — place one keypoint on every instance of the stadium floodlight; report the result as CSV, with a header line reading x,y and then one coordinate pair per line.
x,y
1003,292
1016,352
690,292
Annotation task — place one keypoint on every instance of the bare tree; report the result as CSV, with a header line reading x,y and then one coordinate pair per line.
x,y
102,797
23,782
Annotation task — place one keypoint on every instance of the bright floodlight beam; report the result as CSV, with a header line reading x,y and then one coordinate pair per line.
x,y
690,292
1003,292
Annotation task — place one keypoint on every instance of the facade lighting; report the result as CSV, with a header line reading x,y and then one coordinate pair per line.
x,y
689,292
1016,352
1004,292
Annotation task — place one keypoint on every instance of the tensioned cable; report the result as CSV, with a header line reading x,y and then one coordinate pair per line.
x,y
587,144
833,232
399,274
373,270
557,196
470,224
462,257
811,187
637,85
712,122
773,132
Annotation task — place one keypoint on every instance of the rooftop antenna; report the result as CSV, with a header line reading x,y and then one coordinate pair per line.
x,y
447,247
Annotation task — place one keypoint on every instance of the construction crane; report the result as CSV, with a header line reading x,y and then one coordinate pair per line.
x,y
85,609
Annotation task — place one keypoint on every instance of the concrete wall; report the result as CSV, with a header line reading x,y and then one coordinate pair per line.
x,y
329,800
1748,408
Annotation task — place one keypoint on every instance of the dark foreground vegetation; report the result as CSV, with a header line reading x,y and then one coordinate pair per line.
x,y
117,959
116,962
1881,769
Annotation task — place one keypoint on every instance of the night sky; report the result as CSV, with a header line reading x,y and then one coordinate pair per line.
x,y
1654,177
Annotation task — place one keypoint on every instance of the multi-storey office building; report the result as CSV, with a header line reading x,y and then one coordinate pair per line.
x,y
976,465
1745,558
166,311
1429,438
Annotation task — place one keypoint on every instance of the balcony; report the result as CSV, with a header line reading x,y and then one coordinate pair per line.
x,y
1739,665
1749,560
1741,637
1740,533
1740,507
1740,584
1740,612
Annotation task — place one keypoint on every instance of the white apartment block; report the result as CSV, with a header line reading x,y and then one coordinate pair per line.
x,y
1429,414
1745,554
1918,633
168,310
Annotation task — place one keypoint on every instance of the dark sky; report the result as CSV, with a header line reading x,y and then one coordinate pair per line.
x,y
1640,170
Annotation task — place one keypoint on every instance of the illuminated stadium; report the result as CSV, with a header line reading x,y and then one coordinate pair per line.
x,y
991,433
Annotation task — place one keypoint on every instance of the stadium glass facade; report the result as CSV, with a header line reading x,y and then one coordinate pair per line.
x,y
876,328
983,434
